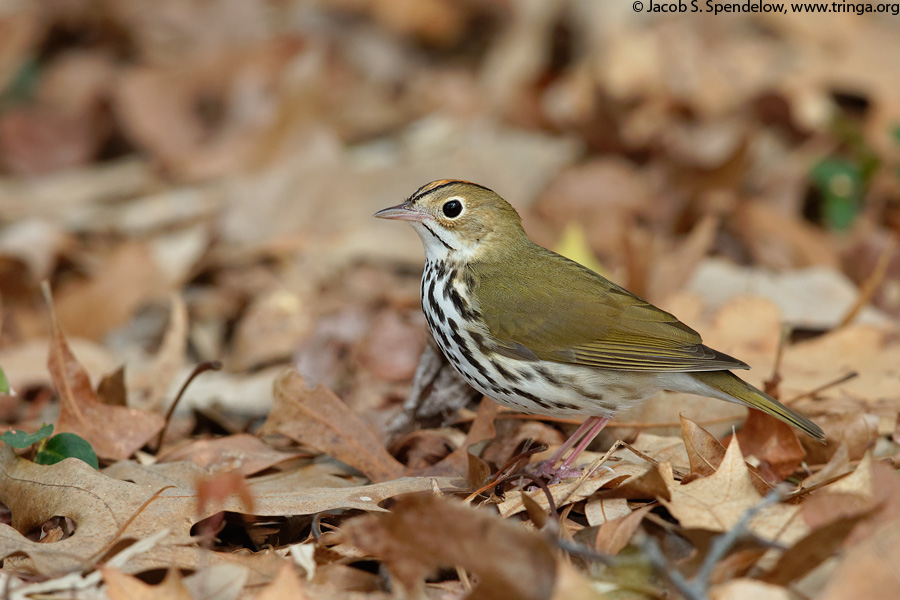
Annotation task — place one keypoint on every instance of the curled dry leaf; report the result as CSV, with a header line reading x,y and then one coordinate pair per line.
x,y
115,432
705,453
423,533
773,442
318,419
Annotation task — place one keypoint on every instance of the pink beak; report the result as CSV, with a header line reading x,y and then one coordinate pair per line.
x,y
401,212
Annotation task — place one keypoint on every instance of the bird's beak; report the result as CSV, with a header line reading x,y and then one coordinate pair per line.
x,y
402,212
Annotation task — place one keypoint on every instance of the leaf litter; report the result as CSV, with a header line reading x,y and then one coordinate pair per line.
x,y
195,183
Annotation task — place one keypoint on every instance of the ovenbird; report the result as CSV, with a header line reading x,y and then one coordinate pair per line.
x,y
542,334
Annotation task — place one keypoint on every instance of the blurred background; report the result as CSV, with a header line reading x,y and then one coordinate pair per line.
x,y
233,152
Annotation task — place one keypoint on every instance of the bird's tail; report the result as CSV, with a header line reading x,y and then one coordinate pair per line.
x,y
729,384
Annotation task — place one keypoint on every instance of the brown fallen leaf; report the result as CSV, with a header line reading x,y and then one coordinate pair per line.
x,y
812,550
705,453
115,432
286,585
130,276
318,419
717,502
424,532
242,452
773,442
271,329
212,491
571,490
603,510
869,570
120,586
482,429
572,584
747,589
614,535
148,387
107,511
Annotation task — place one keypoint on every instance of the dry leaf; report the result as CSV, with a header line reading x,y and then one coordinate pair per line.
x,y
317,418
869,570
115,432
613,536
748,589
242,452
773,442
285,586
120,586
218,582
426,532
718,501
108,510
571,490
128,278
482,429
271,330
148,387
705,453
598,511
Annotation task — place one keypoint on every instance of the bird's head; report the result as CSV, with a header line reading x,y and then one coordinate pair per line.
x,y
459,220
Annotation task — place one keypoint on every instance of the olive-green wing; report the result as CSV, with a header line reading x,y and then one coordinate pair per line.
x,y
549,308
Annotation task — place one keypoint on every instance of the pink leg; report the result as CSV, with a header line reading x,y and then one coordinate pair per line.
x,y
596,427
582,429
583,436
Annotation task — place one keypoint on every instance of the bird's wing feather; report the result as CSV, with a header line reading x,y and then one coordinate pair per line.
x,y
547,307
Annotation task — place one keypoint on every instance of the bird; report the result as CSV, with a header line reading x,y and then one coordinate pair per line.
x,y
544,335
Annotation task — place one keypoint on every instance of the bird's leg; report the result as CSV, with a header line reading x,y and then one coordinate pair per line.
x,y
583,436
596,427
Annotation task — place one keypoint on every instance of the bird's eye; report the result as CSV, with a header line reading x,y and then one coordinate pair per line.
x,y
452,208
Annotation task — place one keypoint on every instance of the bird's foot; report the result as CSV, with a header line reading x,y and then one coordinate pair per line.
x,y
555,474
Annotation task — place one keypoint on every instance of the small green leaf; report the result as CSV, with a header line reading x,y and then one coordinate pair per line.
x,y
840,183
20,439
67,445
4,382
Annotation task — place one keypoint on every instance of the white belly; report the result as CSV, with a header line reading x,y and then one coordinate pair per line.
x,y
536,387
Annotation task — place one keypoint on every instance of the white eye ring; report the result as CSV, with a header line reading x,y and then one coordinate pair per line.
x,y
453,207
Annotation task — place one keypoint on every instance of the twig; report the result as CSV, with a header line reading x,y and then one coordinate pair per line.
x,y
772,383
697,587
585,552
535,480
824,387
723,543
870,285
201,368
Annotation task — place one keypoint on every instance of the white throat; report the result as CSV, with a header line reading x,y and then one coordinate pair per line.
x,y
440,244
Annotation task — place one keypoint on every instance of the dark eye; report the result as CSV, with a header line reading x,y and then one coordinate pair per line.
x,y
452,208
